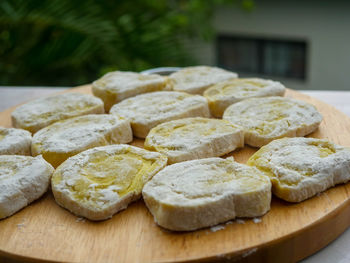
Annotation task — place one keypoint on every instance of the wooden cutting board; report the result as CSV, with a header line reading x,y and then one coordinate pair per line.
x,y
289,232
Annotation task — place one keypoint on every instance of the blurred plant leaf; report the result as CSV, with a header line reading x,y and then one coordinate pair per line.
x,y
63,42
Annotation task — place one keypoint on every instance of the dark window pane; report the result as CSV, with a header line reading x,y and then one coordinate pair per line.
x,y
238,54
268,57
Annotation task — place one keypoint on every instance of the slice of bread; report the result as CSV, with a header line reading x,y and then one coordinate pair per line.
x,y
196,80
66,138
200,193
119,85
194,138
223,94
15,141
270,118
299,168
23,179
148,110
42,112
101,181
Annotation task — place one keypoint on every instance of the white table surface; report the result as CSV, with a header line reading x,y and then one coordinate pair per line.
x,y
336,252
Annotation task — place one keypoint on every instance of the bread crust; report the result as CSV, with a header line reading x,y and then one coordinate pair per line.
x,y
37,114
194,138
116,86
196,80
101,181
200,193
300,168
66,138
15,141
266,119
23,179
148,110
224,94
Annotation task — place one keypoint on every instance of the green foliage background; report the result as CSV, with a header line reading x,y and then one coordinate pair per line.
x,y
70,42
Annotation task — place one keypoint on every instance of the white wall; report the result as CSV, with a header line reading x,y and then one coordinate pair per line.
x,y
325,25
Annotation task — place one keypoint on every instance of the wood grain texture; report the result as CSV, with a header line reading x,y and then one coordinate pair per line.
x,y
289,232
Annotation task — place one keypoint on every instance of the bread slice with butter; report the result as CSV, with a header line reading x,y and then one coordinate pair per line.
x,y
101,181
66,138
148,110
224,94
15,141
23,179
300,168
119,85
270,118
194,138
196,80
201,193
37,114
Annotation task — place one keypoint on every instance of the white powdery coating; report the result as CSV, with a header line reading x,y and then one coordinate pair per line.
x,y
200,193
298,166
223,94
157,106
194,138
148,110
119,85
44,111
80,132
119,81
23,179
15,141
197,79
238,89
269,118
108,201
188,183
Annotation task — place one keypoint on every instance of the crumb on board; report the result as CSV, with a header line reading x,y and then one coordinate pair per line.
x,y
256,220
217,228
80,219
22,224
19,226
240,221
249,252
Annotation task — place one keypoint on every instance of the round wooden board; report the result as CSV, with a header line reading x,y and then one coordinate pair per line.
x,y
289,232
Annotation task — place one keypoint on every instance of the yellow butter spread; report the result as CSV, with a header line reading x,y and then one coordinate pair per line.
x,y
198,128
40,113
106,176
261,160
11,166
123,171
67,138
75,109
178,132
263,166
325,148
7,169
241,87
268,118
246,178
